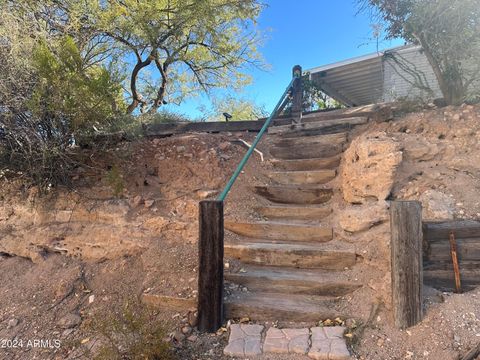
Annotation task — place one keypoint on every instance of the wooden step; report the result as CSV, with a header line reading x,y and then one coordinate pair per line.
x,y
331,139
292,255
307,151
294,194
376,112
317,125
278,307
293,281
280,231
333,129
294,212
307,164
302,177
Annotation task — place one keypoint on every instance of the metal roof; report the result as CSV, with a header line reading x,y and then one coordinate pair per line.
x,y
357,81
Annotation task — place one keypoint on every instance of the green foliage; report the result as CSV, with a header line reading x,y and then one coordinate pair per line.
x,y
179,47
239,108
449,33
315,99
66,89
131,334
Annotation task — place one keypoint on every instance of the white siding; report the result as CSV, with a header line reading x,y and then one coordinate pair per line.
x,y
401,83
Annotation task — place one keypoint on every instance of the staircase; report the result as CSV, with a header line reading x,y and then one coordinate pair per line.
x,y
290,262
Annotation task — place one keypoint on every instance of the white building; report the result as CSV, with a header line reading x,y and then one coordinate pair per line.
x,y
398,73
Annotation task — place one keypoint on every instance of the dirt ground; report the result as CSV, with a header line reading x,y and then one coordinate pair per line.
x,y
129,226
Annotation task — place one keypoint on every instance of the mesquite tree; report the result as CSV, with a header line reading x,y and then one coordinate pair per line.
x,y
449,33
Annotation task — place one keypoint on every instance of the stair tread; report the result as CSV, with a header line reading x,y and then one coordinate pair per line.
x,y
307,164
294,212
289,247
317,124
305,177
281,230
294,194
318,276
331,139
306,151
268,306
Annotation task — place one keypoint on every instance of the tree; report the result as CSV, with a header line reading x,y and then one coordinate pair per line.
x,y
239,108
187,45
52,92
449,34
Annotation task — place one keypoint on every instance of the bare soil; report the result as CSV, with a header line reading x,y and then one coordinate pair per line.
x,y
117,237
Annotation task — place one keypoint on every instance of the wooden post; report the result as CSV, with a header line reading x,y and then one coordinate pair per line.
x,y
297,95
407,267
210,270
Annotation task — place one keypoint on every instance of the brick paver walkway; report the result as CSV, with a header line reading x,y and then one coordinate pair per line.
x,y
319,343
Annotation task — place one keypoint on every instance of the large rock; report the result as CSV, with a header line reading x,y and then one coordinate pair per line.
x,y
369,167
363,217
437,205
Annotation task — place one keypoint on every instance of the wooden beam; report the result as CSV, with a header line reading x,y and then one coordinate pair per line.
x,y
180,128
441,230
407,267
210,270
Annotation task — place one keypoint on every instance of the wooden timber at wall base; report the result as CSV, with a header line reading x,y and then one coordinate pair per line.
x,y
437,261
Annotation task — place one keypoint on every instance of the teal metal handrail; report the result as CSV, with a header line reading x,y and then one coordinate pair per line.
x,y
259,136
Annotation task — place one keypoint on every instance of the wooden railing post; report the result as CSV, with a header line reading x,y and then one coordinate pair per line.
x,y
210,270
297,95
407,267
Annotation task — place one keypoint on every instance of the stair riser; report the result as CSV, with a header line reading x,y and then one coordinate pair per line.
x,y
307,165
334,129
310,151
330,260
281,232
293,213
333,139
294,196
302,178
318,125
291,286
259,313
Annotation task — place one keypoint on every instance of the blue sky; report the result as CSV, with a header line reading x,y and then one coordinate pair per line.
x,y
306,32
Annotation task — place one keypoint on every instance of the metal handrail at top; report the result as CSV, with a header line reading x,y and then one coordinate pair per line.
x,y
223,195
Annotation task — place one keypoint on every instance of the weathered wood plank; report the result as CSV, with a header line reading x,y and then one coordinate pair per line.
x,y
180,128
268,307
281,231
445,279
210,269
332,129
441,230
467,250
330,139
293,281
294,195
307,151
292,255
407,266
307,164
377,112
302,177
294,212
317,125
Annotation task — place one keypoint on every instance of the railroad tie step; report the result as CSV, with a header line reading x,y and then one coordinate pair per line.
x,y
281,231
302,177
293,281
303,256
294,194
